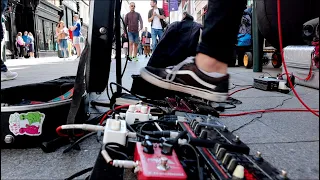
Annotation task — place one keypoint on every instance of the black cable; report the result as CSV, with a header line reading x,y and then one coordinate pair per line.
x,y
130,128
78,141
121,148
125,31
261,114
197,158
125,89
79,173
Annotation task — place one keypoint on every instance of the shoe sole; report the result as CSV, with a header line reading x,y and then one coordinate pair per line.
x,y
202,93
8,79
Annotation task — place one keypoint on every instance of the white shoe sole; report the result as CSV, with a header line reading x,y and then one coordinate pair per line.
x,y
202,93
8,79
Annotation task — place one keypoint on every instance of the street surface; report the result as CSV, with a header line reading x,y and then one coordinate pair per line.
x,y
289,141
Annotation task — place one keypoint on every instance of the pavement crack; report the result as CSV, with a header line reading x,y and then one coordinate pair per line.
x,y
259,117
288,142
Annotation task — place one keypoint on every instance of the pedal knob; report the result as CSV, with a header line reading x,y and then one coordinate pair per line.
x,y
238,173
167,149
203,134
284,174
148,147
221,153
258,156
236,139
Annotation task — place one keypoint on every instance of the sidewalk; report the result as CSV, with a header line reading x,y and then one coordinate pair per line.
x,y
288,140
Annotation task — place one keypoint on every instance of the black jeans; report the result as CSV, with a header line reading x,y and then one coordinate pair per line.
x,y
221,26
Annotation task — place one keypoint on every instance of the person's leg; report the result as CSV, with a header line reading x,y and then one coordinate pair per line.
x,y
160,34
130,36
3,67
76,43
216,47
136,43
154,38
206,76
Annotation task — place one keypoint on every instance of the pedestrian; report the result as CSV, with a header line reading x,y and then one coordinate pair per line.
x,y
156,16
6,75
125,41
63,34
25,37
205,75
132,20
76,33
20,44
31,45
145,36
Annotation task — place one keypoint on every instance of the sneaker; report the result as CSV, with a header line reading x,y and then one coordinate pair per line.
x,y
6,76
187,78
135,59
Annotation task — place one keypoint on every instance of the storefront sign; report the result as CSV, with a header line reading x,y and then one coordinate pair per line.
x,y
173,5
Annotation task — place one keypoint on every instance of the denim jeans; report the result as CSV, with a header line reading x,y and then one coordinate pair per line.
x,y
221,26
4,4
154,34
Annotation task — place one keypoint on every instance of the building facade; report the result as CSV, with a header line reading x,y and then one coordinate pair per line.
x,y
40,17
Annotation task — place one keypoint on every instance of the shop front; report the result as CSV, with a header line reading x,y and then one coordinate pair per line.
x,y
47,17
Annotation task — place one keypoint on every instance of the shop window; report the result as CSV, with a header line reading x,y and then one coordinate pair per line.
x,y
48,34
40,35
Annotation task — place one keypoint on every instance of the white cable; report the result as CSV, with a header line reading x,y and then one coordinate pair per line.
x,y
124,164
87,127
106,156
157,125
132,135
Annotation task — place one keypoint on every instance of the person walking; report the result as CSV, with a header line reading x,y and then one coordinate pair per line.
x,y
205,75
6,75
132,20
125,41
63,34
145,38
31,45
76,33
156,16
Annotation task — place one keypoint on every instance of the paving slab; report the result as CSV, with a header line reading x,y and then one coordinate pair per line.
x,y
300,160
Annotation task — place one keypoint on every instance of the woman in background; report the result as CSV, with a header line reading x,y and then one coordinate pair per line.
x,y
31,45
62,38
20,44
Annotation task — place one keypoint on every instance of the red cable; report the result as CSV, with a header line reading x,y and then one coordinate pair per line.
x,y
110,111
268,110
59,129
240,90
284,63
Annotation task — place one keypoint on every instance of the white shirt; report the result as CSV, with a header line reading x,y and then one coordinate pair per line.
x,y
156,24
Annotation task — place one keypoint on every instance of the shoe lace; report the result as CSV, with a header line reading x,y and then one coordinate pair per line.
x,y
174,69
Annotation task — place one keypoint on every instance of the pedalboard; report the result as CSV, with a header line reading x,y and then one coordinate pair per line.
x,y
225,156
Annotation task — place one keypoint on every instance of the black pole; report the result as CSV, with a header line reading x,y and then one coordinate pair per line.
x,y
257,61
118,46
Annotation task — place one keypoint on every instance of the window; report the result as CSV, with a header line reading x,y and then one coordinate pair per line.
x,y
69,18
48,34
40,34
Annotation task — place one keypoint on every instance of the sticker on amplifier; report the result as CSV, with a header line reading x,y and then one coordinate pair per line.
x,y
26,123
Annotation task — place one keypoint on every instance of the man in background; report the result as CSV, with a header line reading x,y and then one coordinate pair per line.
x,y
76,32
132,20
156,17
5,73
145,39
